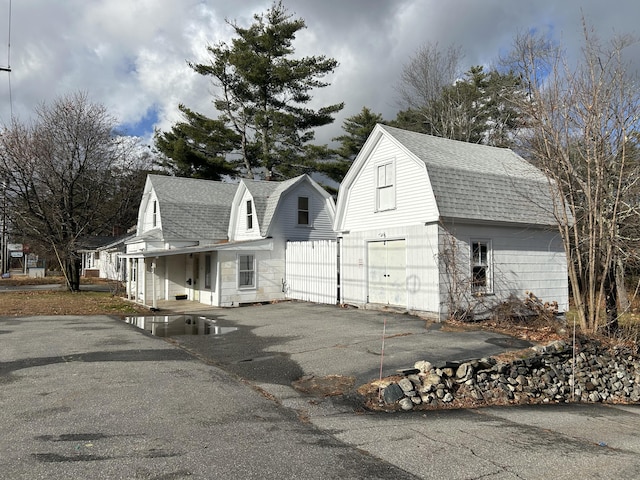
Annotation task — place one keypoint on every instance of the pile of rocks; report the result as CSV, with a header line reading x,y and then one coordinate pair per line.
x,y
553,373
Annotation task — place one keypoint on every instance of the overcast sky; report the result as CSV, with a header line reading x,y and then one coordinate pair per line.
x,y
130,55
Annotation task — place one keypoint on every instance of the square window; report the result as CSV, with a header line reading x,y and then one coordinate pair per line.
x,y
303,210
246,271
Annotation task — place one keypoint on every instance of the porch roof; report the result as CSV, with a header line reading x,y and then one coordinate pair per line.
x,y
249,245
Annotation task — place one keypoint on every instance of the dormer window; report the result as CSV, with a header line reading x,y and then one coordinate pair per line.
x,y
154,218
303,210
249,215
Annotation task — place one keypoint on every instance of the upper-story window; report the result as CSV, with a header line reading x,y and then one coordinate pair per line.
x,y
249,215
154,218
385,187
303,210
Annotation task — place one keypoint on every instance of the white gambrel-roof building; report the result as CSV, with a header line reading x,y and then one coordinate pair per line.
x,y
430,224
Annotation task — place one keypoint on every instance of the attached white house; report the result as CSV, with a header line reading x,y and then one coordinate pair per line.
x,y
221,244
104,259
429,224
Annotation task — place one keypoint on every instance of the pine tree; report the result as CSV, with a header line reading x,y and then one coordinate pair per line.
x,y
263,92
197,147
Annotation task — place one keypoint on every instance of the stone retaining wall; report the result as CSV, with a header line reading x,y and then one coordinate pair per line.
x,y
547,376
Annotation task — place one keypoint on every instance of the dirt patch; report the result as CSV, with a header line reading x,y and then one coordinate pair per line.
x,y
329,386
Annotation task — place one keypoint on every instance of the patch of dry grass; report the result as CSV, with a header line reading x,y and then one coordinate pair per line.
x,y
35,303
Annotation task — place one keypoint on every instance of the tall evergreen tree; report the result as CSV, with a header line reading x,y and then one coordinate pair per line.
x,y
197,147
264,91
356,131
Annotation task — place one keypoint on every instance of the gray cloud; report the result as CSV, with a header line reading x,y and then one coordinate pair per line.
x,y
131,55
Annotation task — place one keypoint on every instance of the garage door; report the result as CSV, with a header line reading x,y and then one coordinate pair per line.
x,y
387,272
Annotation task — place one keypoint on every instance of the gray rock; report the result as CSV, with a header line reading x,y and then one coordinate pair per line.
x,y
405,384
406,404
392,393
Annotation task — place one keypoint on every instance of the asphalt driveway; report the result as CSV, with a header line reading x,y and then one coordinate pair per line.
x,y
93,397
282,342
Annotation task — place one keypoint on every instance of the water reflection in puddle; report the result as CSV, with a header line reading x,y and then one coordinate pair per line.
x,y
173,325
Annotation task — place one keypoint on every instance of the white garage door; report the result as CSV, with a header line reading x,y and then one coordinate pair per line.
x,y
387,272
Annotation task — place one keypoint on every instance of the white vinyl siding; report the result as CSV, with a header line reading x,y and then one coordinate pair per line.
x,y
414,199
151,217
247,226
521,260
385,187
320,216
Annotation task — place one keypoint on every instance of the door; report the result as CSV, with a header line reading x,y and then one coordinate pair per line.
x,y
387,272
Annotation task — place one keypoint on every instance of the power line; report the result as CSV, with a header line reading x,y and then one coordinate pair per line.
x,y
8,67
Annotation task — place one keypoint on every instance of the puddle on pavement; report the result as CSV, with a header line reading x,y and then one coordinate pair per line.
x,y
174,325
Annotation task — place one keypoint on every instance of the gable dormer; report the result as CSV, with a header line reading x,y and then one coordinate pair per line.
x,y
244,222
149,210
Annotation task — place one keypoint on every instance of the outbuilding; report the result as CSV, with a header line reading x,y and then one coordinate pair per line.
x,y
440,226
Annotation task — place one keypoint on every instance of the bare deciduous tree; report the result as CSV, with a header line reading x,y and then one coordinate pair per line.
x,y
67,176
428,72
582,130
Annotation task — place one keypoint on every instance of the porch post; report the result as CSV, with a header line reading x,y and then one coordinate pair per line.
x,y
154,301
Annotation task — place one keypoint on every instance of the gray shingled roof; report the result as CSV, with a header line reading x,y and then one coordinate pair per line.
x,y
266,196
480,183
193,209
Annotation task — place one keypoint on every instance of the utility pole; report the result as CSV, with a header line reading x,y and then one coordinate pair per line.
x,y
4,245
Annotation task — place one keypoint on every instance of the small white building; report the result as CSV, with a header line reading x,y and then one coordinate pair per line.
x,y
429,224
221,244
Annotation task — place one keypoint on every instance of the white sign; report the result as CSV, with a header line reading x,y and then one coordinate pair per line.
x,y
14,246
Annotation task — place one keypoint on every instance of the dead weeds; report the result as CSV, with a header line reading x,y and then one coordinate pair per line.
x,y
52,302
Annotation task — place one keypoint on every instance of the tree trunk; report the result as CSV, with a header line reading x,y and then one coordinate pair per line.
x,y
73,268
611,300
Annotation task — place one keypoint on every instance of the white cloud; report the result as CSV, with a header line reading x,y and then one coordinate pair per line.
x,y
131,55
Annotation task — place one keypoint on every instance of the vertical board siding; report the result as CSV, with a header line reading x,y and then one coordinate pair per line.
x,y
422,281
311,271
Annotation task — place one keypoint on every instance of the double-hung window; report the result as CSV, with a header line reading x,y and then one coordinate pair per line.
x,y
154,219
303,210
249,215
246,271
385,187
481,266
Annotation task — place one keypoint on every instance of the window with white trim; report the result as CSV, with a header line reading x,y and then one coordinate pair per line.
x,y
154,219
481,274
249,215
246,271
303,210
385,187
